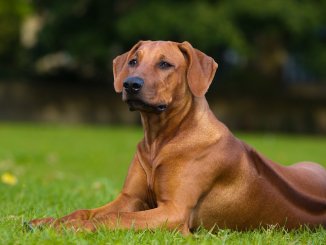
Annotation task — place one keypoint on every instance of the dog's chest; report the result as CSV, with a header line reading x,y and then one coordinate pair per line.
x,y
150,175
160,169
149,166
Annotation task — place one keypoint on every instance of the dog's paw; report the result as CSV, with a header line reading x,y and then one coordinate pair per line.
x,y
38,223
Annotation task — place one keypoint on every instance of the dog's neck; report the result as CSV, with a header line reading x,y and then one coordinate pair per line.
x,y
158,126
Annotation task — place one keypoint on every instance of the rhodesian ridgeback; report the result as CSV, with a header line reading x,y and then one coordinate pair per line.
x,y
189,170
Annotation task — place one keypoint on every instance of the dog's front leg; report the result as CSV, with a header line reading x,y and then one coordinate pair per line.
x,y
165,216
123,203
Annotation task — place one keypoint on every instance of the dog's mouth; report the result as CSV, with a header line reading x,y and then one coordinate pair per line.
x,y
139,105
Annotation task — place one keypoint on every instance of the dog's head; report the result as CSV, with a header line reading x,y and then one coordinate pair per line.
x,y
155,73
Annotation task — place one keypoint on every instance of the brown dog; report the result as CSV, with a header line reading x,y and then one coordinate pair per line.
x,y
189,170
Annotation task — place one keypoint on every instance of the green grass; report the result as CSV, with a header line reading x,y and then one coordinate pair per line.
x,y
63,168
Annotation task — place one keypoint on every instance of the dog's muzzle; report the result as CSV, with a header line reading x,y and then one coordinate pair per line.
x,y
133,86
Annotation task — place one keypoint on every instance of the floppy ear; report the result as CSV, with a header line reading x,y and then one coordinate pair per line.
x,y
119,67
201,69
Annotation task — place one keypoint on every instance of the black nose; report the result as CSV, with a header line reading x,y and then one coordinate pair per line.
x,y
133,85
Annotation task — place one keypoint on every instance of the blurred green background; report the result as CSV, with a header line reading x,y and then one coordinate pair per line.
x,y
56,58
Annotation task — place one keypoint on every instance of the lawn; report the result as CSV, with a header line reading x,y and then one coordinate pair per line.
x,y
51,170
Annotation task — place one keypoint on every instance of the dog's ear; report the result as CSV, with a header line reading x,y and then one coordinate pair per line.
x,y
201,69
119,67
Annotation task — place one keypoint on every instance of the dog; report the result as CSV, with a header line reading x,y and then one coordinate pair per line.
x,y
189,171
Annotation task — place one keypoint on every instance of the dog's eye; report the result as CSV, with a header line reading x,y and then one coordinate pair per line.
x,y
164,65
132,62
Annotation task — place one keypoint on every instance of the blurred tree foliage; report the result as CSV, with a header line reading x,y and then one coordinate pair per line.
x,y
12,14
251,39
